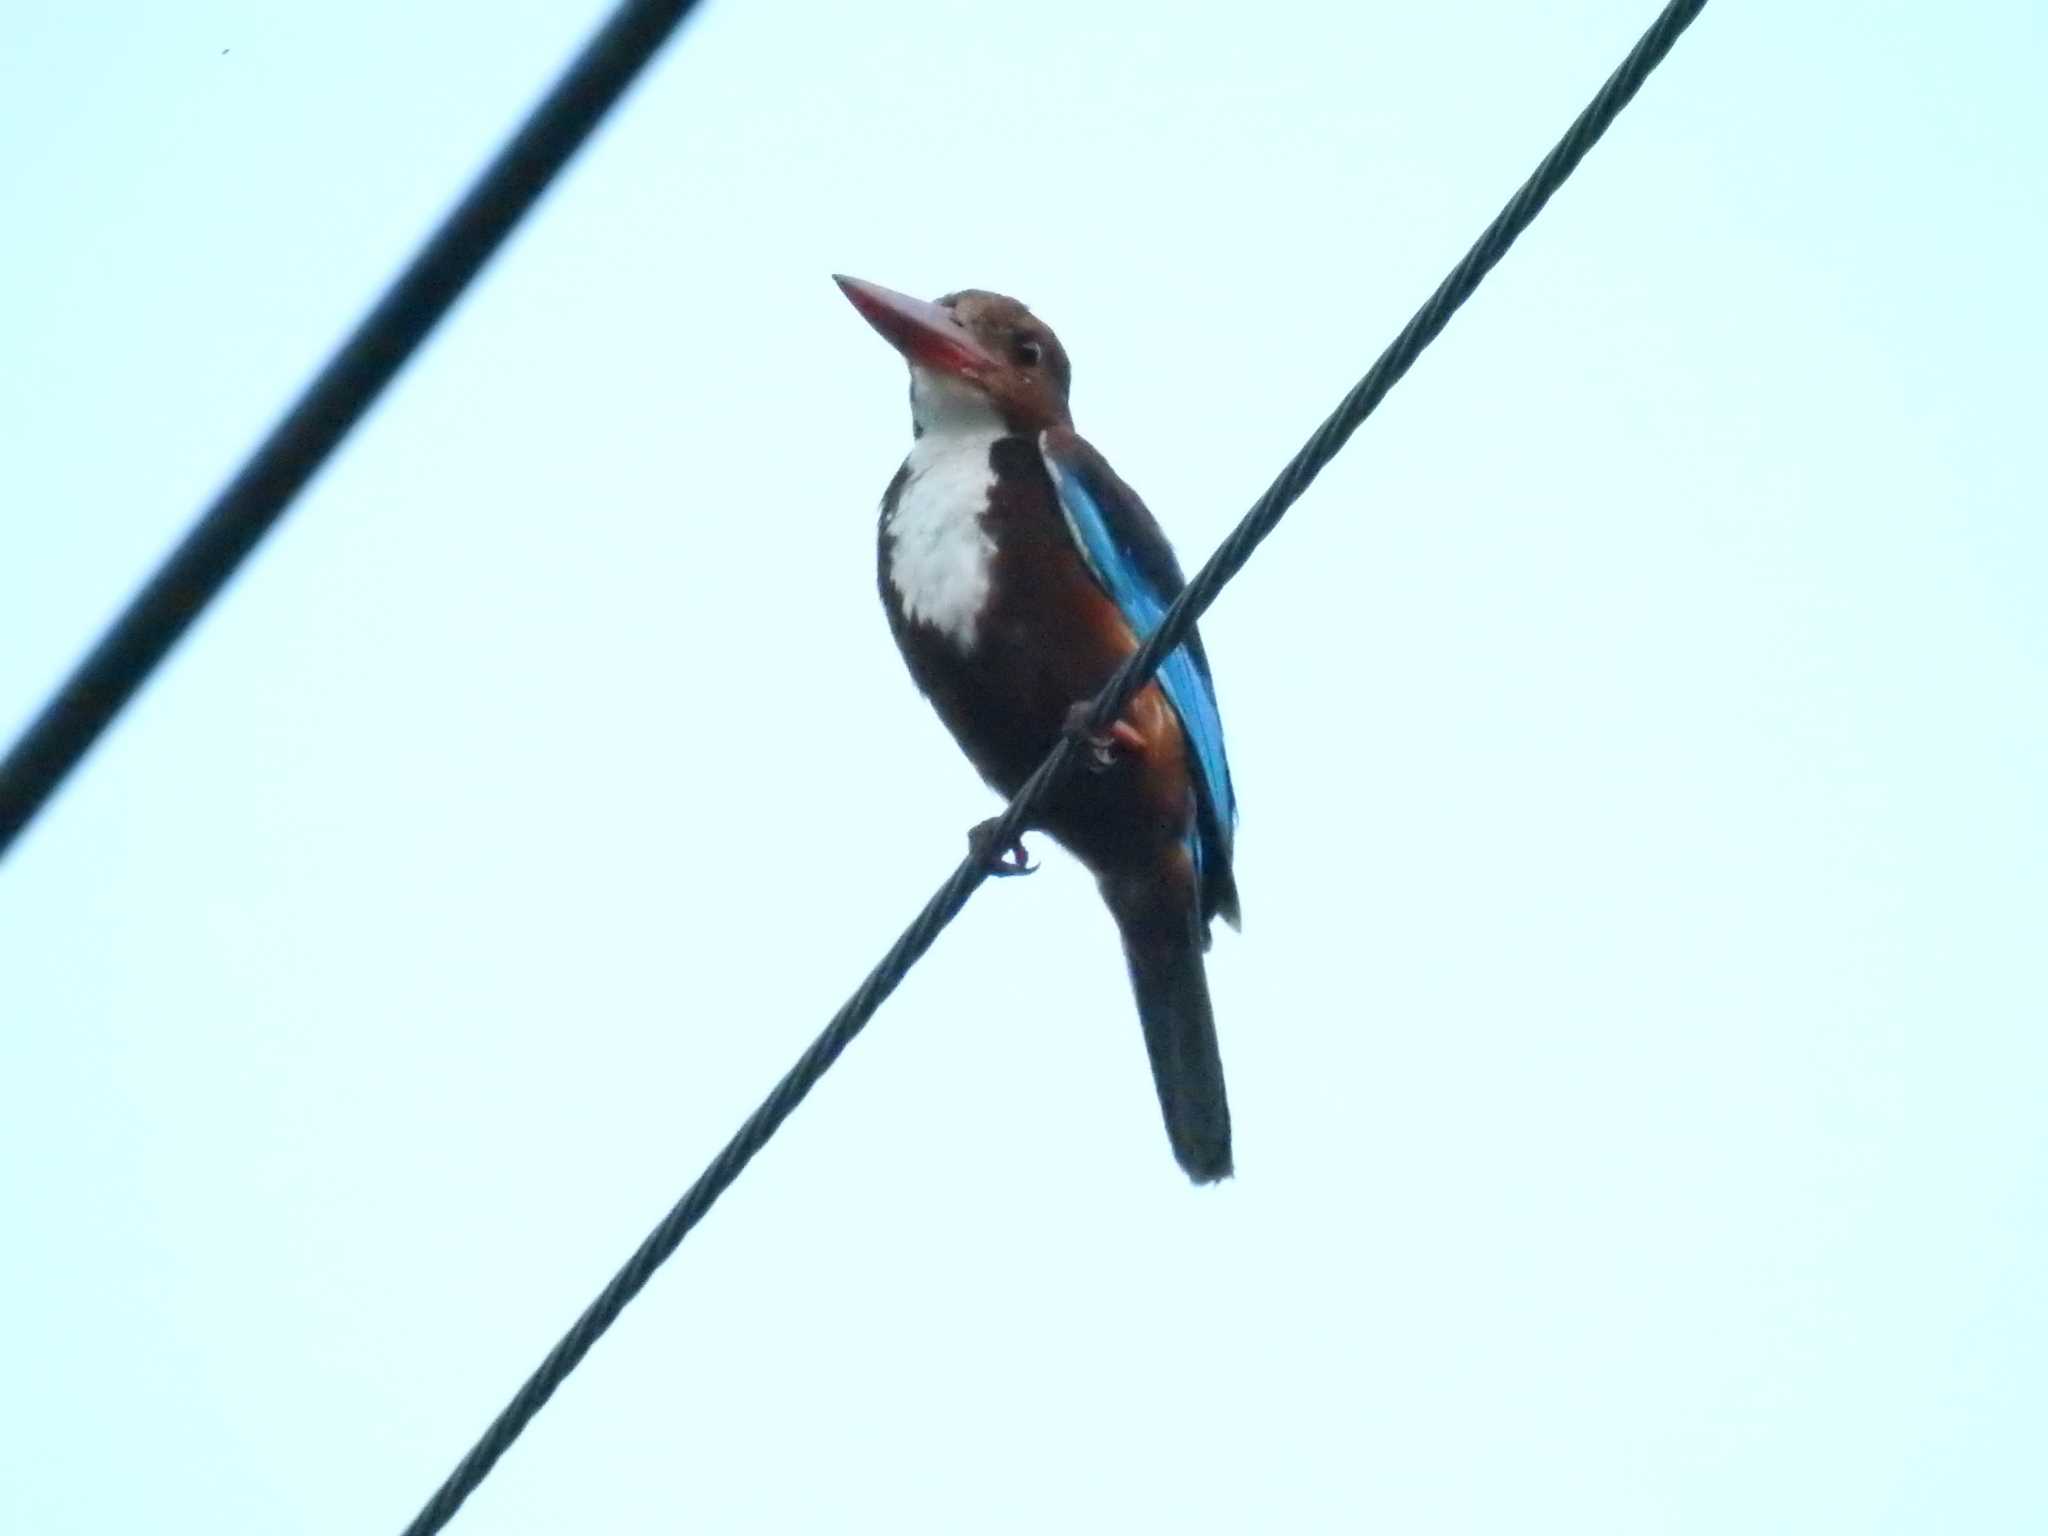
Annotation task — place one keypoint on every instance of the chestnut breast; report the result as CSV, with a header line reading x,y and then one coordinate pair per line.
x,y
1043,637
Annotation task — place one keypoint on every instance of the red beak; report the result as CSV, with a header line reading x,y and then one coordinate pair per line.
x,y
926,334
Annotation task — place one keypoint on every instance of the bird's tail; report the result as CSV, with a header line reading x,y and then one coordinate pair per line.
x,y
1163,947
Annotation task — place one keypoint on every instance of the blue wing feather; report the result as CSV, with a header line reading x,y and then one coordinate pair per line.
x,y
1109,531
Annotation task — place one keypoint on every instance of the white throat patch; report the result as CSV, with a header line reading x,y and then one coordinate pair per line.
x,y
939,552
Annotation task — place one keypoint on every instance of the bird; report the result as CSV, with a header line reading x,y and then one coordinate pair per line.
x,y
1018,572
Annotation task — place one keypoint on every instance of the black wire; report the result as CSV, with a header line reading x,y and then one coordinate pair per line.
x,y
192,575
947,901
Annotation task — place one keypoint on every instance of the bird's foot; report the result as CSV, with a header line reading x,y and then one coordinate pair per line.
x,y
1100,753
1002,859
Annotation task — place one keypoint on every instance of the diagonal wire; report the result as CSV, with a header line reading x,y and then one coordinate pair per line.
x,y
192,575
948,900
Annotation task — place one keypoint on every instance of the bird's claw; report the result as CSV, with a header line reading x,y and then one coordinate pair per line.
x,y
1003,860
1101,752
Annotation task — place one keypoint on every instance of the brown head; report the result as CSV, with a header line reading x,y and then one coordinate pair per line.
x,y
972,350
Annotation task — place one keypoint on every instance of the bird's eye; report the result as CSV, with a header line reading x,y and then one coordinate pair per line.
x,y
1026,353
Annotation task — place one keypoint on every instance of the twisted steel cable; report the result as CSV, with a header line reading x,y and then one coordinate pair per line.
x,y
947,902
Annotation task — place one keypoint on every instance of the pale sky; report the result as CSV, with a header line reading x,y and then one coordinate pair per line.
x,y
1639,1034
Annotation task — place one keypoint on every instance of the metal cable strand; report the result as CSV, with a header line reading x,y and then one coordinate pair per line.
x,y
1427,323
951,897
192,575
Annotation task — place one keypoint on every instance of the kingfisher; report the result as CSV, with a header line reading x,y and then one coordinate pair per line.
x,y
1018,572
